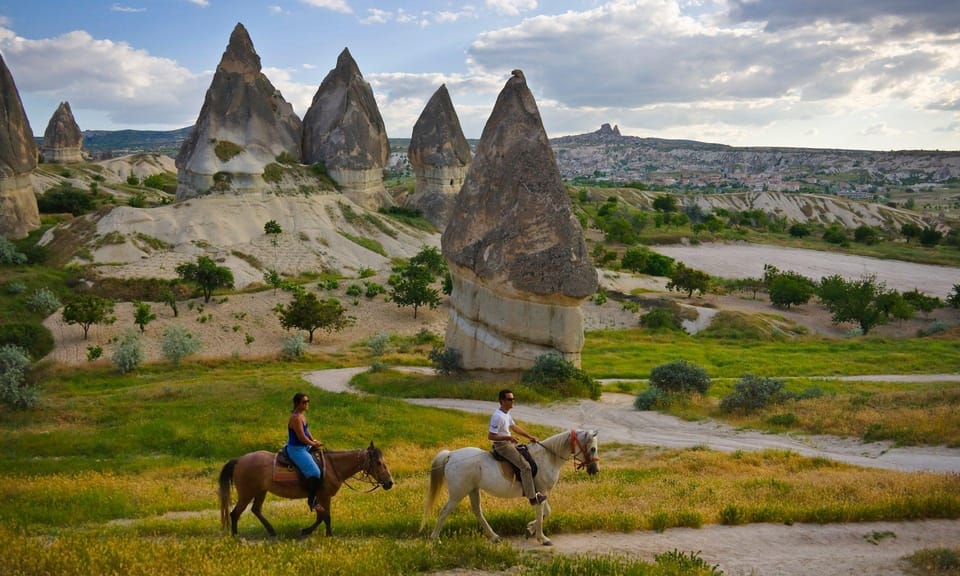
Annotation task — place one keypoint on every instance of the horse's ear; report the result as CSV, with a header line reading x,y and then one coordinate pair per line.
x,y
371,445
593,433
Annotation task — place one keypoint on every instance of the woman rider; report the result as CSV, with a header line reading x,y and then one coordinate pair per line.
x,y
299,442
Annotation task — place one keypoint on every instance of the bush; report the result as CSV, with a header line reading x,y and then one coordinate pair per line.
x,y
935,328
133,180
680,376
65,199
294,346
665,318
648,399
15,390
446,361
43,301
35,338
378,344
554,372
178,343
752,393
128,355
9,254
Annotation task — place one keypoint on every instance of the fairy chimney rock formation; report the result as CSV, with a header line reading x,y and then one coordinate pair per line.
x,y
62,140
244,125
515,250
343,130
18,157
440,156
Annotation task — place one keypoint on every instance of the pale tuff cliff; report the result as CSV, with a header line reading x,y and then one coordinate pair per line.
x,y
18,156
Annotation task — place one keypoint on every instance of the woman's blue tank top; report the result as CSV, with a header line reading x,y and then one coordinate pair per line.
x,y
292,436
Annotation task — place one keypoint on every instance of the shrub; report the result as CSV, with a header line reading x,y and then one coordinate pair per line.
x,y
648,399
935,328
225,150
9,254
133,180
752,393
680,376
378,344
272,173
129,354
16,391
65,199
35,338
154,181
177,343
554,372
43,301
354,290
374,289
446,361
14,288
294,346
665,318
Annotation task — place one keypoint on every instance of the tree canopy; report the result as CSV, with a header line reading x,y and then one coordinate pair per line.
x,y
307,312
87,310
206,275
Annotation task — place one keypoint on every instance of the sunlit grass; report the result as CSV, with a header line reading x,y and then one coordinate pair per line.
x,y
633,353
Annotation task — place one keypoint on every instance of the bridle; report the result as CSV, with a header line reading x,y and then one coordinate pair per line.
x,y
585,458
364,464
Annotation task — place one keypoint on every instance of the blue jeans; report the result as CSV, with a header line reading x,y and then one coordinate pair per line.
x,y
304,460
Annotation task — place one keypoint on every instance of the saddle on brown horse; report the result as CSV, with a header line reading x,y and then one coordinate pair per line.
x,y
285,471
508,466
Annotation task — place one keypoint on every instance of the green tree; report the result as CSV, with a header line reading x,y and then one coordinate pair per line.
x,y
272,227
790,288
910,231
206,274
799,230
87,310
865,234
684,279
430,258
864,301
142,315
665,203
930,237
307,312
411,287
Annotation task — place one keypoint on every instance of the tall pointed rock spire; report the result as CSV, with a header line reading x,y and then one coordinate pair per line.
x,y
62,140
440,157
343,130
244,125
515,249
18,157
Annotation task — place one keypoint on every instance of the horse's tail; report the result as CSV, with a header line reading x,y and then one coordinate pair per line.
x,y
437,478
226,480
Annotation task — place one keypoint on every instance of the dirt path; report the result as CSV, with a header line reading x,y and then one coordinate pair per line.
x,y
873,548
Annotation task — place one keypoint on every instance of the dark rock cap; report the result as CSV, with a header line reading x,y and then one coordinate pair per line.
x,y
437,138
18,149
343,127
62,130
513,222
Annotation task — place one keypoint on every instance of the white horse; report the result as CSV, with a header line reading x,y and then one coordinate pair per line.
x,y
470,470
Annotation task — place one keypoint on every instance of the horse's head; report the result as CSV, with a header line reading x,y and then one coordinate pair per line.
x,y
584,448
376,468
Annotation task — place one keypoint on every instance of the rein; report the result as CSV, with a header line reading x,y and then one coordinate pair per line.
x,y
585,459
363,465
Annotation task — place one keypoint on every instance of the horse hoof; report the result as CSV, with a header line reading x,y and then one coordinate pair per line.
x,y
547,542
495,539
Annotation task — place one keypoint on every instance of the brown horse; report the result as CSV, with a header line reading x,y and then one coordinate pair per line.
x,y
252,474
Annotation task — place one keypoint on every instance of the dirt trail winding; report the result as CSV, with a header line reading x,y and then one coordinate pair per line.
x,y
873,548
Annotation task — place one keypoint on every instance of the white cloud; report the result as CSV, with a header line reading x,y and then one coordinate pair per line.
x,y
511,7
126,84
128,9
335,5
201,3
422,19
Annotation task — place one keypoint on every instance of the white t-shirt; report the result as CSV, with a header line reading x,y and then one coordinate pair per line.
x,y
500,423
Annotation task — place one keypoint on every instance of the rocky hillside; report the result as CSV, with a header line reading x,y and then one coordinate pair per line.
x,y
608,156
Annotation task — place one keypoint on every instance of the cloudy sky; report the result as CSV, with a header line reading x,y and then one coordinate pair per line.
x,y
863,74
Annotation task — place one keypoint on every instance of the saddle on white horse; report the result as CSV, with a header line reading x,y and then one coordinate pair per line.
x,y
508,469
